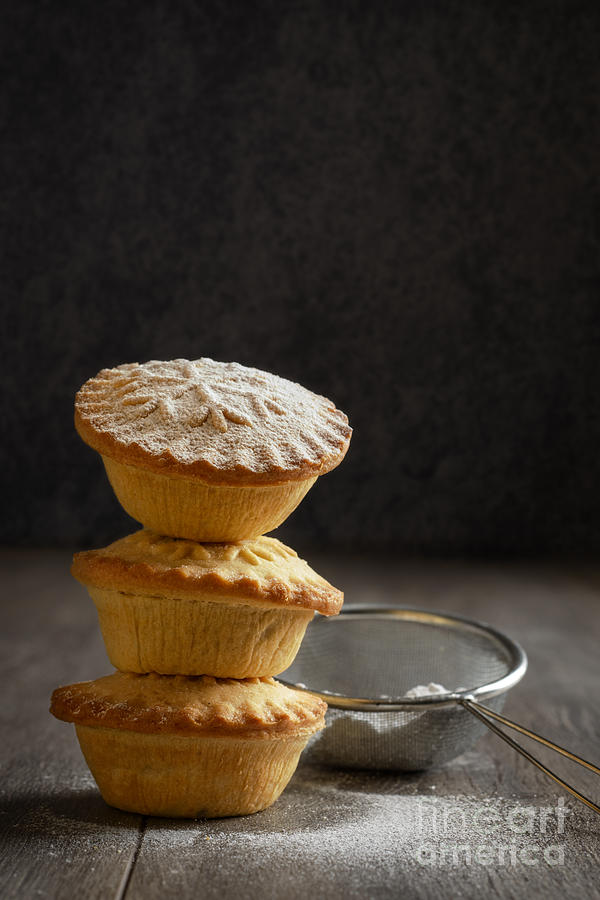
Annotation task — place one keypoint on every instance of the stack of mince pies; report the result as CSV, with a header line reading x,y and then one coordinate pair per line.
x,y
198,609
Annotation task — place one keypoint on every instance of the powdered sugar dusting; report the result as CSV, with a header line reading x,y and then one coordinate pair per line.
x,y
224,414
339,834
427,690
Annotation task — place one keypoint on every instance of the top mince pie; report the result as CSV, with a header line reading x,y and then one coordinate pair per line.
x,y
206,450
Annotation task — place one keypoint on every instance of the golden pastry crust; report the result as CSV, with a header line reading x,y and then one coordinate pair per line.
x,y
186,705
222,423
188,777
262,570
223,638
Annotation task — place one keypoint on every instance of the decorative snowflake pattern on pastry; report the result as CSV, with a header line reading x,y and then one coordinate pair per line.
x,y
213,419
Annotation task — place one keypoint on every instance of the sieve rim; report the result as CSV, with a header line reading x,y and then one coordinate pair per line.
x,y
517,660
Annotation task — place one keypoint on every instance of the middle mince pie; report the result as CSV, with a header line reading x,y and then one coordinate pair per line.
x,y
178,607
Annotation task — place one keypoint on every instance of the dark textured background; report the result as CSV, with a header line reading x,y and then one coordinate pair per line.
x,y
395,204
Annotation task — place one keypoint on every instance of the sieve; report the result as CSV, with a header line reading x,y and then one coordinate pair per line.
x,y
363,662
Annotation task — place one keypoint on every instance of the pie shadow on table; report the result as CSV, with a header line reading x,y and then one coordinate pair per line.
x,y
54,813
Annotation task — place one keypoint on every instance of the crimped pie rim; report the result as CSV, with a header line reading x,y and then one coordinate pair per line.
x,y
105,570
291,714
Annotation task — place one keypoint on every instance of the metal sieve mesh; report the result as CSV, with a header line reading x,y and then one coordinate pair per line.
x,y
365,660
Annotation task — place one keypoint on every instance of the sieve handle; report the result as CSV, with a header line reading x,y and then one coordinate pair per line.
x,y
485,715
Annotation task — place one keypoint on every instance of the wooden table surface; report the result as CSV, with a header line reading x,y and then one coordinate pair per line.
x,y
333,833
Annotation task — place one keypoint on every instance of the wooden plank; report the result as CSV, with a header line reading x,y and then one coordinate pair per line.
x,y
57,836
